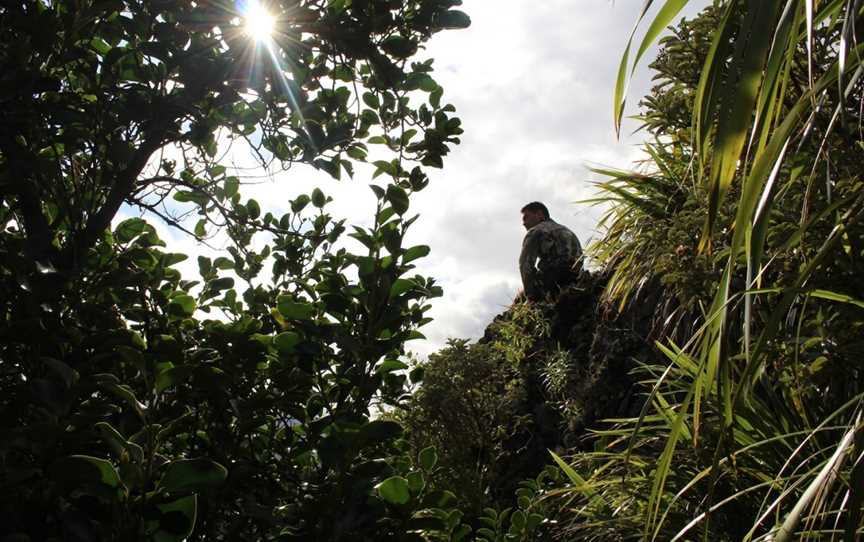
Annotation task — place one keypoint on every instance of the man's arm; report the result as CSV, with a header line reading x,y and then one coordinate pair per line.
x,y
528,264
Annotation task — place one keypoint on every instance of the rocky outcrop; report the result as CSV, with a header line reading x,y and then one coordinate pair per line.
x,y
579,365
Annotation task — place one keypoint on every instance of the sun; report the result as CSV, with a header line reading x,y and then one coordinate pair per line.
x,y
258,22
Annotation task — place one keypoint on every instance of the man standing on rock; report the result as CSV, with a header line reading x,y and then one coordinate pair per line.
x,y
551,254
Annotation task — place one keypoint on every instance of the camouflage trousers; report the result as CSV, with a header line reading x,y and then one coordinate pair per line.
x,y
552,281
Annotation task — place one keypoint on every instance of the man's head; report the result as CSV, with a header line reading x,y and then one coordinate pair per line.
x,y
533,214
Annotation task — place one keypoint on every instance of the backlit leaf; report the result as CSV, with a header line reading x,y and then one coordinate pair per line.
x,y
394,490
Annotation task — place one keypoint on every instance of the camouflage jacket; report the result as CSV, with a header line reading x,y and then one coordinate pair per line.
x,y
547,250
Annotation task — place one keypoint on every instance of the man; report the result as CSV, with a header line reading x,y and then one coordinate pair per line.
x,y
551,254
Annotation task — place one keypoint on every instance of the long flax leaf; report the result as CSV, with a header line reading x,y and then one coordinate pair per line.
x,y
747,204
754,183
856,490
808,9
621,81
811,435
836,296
767,103
737,104
707,471
825,476
752,370
658,383
720,504
664,17
708,88
667,12
664,462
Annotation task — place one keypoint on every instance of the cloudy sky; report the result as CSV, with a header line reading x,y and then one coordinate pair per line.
x,y
532,83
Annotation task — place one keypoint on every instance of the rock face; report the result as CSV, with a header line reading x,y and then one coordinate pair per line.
x,y
579,362
541,376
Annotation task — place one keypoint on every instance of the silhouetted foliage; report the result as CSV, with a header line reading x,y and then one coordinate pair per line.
x,y
128,413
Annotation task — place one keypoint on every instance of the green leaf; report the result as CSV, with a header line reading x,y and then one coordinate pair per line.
x,y
357,152
196,196
181,305
663,18
286,341
836,296
422,81
517,521
394,490
435,97
439,499
398,198
575,479
416,482
371,100
487,534
232,185
379,192
452,19
385,215
736,105
166,378
669,10
787,530
400,286
204,265
390,365
193,475
318,198
100,45
173,258
413,253
377,432
253,209
118,443
223,263
294,310
428,458
399,47
129,229
223,283
107,473
383,166
300,203
416,375
91,475
120,391
177,520
143,258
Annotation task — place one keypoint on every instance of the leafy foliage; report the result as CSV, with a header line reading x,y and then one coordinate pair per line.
x,y
94,90
470,408
493,409
138,404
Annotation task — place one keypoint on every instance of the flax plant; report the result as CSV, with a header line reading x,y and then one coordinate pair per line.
x,y
752,430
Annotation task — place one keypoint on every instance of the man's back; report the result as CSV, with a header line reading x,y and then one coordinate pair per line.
x,y
550,256
558,247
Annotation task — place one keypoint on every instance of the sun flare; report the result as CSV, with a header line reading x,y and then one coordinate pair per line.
x,y
258,22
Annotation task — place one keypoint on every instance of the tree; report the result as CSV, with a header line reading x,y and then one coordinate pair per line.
x,y
127,413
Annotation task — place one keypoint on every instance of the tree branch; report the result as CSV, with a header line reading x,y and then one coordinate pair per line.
x,y
123,187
